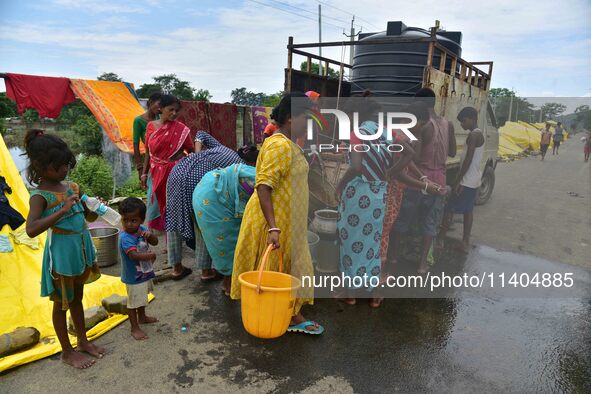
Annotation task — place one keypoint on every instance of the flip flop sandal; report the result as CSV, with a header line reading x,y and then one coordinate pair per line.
x,y
302,328
186,272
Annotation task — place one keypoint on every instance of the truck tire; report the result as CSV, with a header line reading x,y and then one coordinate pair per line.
x,y
487,186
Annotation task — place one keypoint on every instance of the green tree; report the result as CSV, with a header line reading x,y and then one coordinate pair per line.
x,y
510,107
7,107
581,112
109,77
241,96
71,113
30,117
315,69
273,100
90,135
171,84
203,95
552,110
148,89
94,176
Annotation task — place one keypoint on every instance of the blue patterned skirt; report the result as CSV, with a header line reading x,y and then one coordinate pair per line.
x,y
360,223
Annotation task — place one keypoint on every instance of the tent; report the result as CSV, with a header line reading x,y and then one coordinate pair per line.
x,y
20,284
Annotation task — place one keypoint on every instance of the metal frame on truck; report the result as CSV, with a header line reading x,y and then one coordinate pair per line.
x,y
454,89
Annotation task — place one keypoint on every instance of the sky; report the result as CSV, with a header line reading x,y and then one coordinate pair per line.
x,y
539,47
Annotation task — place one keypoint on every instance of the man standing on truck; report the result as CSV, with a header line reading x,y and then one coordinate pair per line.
x,y
465,187
558,137
436,142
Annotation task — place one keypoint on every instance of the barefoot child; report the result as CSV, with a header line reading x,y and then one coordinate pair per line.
x,y
545,140
138,282
69,255
587,149
466,186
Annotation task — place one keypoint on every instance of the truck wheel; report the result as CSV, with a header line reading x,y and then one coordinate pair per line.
x,y
487,186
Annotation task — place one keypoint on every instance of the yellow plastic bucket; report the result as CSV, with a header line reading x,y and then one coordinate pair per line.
x,y
267,300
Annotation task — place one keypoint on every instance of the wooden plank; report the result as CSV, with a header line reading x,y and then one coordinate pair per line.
x,y
388,40
309,65
321,58
430,54
289,64
454,65
442,61
463,72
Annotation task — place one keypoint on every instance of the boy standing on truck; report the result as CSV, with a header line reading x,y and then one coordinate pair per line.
x,y
436,142
466,186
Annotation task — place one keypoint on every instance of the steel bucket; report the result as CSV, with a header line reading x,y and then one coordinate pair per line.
x,y
106,242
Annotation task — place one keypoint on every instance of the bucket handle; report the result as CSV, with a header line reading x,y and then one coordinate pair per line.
x,y
264,261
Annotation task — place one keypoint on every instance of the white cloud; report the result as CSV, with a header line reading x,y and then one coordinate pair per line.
x,y
102,6
537,46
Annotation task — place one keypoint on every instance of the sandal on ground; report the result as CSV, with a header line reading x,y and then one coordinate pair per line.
x,y
302,327
186,272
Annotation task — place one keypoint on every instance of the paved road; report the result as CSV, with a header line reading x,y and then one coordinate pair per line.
x,y
531,211
484,340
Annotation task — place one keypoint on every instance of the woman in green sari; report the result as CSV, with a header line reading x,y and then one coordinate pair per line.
x,y
218,202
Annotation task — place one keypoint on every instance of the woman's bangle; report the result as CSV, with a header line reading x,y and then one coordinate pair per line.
x,y
144,176
423,177
274,229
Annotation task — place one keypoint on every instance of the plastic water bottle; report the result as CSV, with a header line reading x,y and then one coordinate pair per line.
x,y
142,247
109,214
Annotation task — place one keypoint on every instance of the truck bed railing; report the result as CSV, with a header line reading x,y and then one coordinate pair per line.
x,y
468,71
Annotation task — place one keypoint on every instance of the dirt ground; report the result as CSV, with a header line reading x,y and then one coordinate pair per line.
x,y
485,342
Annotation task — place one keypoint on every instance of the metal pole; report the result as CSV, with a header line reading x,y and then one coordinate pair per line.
x,y
320,37
351,48
510,108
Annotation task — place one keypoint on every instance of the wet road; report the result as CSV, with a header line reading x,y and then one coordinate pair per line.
x,y
485,340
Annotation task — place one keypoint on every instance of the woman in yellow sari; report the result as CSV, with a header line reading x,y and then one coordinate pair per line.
x,y
277,212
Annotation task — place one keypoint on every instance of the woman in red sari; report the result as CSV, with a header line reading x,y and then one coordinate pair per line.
x,y
167,141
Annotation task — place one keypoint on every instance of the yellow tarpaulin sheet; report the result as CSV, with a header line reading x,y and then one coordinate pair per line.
x,y
534,134
20,284
113,106
507,147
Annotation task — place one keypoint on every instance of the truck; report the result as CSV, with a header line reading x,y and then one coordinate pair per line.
x,y
456,82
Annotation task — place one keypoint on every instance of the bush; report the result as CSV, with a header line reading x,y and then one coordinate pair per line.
x,y
94,175
89,131
131,188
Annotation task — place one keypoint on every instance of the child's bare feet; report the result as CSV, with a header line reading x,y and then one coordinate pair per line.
x,y
138,334
147,320
375,302
76,360
93,350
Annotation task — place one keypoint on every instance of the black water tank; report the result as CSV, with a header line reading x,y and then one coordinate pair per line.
x,y
396,69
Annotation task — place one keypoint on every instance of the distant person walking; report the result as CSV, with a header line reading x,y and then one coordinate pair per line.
x,y
545,142
558,137
587,148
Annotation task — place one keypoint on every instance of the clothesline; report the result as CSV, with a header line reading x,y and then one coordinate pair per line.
x,y
115,105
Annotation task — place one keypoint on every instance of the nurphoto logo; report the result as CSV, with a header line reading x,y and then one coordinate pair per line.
x,y
391,120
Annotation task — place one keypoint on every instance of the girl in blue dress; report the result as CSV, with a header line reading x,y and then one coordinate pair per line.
x,y
69,257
